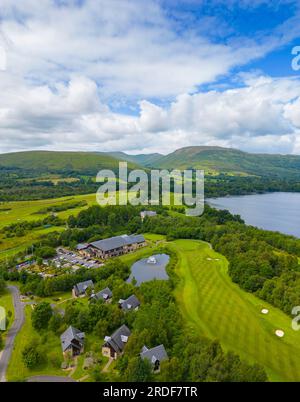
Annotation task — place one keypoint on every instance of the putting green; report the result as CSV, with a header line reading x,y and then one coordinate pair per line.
x,y
217,308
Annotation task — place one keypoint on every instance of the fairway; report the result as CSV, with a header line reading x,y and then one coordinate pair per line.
x,y
217,308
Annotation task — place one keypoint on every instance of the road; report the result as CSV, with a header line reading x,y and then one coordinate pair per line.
x,y
48,378
13,331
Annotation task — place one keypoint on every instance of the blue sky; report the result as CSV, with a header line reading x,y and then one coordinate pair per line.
x,y
149,76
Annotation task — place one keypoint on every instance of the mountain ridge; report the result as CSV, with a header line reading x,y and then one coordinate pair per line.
x,y
212,159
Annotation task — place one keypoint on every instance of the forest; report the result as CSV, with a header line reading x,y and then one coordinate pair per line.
x,y
19,185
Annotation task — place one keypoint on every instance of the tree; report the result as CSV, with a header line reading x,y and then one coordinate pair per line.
x,y
55,322
31,355
139,370
2,285
41,316
45,252
171,370
101,328
89,291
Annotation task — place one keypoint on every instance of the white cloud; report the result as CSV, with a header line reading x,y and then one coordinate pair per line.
x,y
66,64
261,116
130,48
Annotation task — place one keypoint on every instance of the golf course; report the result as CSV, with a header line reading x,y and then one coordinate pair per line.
x,y
215,307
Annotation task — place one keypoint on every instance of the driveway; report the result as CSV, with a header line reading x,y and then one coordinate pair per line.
x,y
13,331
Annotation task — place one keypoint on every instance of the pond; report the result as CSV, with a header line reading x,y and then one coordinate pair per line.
x,y
153,267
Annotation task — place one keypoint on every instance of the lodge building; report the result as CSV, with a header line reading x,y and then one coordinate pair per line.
x,y
112,247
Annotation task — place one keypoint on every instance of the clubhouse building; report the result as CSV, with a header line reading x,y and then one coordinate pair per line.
x,y
112,247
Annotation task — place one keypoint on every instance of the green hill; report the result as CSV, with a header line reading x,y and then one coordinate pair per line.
x,y
60,162
147,160
227,160
211,159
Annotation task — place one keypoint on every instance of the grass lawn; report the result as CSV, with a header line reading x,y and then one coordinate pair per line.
x,y
6,301
217,308
16,370
12,246
153,238
58,298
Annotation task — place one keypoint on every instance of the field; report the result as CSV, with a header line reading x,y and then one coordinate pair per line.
x,y
14,212
215,307
18,211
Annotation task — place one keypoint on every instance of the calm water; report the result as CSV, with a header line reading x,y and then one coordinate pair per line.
x,y
272,211
143,271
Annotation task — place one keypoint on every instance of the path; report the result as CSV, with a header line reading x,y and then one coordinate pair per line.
x,y
13,331
106,367
73,369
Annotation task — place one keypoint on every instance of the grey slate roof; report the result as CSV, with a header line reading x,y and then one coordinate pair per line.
x,y
135,239
82,246
109,244
158,353
81,287
103,294
130,304
117,339
68,337
148,213
117,242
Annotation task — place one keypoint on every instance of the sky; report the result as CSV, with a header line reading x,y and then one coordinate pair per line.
x,y
149,76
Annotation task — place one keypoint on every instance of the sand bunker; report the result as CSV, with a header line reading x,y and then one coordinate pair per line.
x,y
279,333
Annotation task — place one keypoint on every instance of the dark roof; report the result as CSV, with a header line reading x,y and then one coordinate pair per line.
x,y
81,287
135,239
82,246
158,353
68,337
117,242
130,304
148,213
109,244
118,339
103,294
